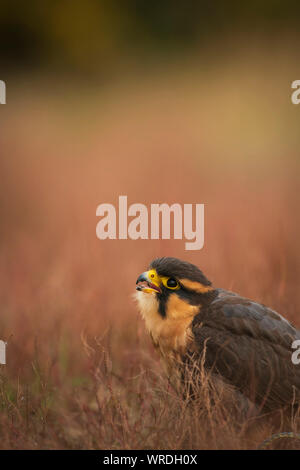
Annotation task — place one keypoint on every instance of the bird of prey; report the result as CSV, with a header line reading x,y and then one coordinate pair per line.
x,y
241,343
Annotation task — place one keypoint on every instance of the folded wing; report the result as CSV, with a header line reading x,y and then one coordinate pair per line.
x,y
249,346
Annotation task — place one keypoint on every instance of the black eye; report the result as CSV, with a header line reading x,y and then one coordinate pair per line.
x,y
172,283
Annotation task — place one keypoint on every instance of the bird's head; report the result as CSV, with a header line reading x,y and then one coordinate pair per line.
x,y
172,287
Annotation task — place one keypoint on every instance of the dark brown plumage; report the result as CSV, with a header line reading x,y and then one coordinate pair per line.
x,y
245,344
249,345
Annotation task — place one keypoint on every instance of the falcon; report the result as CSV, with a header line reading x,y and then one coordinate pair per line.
x,y
240,343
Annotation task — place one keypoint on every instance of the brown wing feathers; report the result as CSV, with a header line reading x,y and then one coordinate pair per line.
x,y
249,345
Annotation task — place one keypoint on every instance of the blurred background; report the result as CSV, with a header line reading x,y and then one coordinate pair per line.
x,y
163,102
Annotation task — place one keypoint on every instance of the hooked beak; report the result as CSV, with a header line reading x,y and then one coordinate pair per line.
x,y
148,282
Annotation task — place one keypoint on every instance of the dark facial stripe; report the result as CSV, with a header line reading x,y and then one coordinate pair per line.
x,y
162,302
190,297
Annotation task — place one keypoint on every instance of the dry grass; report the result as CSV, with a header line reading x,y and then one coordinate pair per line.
x,y
81,371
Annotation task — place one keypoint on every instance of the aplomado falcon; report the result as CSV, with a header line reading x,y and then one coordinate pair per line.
x,y
240,342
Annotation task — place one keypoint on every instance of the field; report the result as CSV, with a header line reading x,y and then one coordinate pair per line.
x,y
81,372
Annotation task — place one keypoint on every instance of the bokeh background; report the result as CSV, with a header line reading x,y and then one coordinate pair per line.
x,y
163,102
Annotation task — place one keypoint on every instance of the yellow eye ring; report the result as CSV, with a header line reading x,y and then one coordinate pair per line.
x,y
170,283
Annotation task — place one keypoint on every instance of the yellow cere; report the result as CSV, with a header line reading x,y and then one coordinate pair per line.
x,y
157,280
